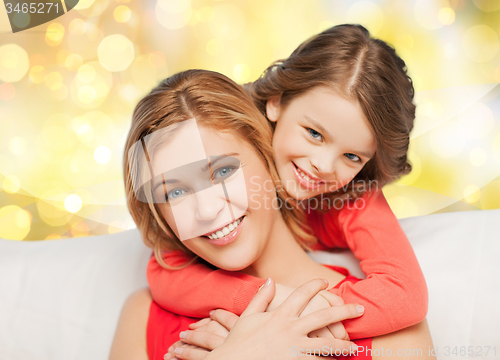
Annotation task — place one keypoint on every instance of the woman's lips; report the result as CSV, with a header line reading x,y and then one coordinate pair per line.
x,y
314,185
229,238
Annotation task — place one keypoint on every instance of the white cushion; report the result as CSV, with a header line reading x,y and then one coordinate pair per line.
x,y
60,299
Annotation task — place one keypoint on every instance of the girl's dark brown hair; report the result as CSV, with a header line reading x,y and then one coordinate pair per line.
x,y
346,59
215,102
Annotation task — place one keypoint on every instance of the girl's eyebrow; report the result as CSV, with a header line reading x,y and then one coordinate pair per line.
x,y
320,127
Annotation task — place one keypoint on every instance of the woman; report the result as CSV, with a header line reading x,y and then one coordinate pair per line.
x,y
226,125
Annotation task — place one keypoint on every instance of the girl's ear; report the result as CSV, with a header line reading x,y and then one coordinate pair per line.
x,y
273,108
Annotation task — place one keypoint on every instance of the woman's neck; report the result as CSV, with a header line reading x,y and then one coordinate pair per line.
x,y
283,259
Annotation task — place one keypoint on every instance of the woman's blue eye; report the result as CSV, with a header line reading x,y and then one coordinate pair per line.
x,y
176,193
223,172
316,135
353,157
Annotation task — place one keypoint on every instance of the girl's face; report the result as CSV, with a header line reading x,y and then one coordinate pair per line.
x,y
321,142
241,242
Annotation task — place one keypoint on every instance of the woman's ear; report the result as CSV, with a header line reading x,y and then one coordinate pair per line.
x,y
273,108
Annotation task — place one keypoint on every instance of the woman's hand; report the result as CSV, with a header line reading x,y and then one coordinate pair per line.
x,y
322,300
281,333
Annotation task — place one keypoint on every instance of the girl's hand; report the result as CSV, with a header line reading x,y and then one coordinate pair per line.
x,y
204,336
281,333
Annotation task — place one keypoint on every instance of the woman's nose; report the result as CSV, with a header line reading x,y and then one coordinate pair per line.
x,y
210,202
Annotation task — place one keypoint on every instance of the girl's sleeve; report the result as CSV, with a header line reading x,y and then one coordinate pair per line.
x,y
394,292
197,289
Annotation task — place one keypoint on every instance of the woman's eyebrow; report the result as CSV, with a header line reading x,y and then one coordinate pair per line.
x,y
217,158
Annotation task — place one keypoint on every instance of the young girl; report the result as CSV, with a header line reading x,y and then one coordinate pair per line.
x,y
341,108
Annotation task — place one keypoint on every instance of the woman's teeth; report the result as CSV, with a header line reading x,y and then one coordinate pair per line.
x,y
307,178
225,230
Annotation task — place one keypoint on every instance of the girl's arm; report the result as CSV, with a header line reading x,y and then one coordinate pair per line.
x,y
197,289
394,293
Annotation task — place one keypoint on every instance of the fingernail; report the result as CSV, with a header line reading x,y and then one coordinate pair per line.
x,y
360,308
211,312
178,350
171,348
268,281
166,356
182,334
326,281
354,347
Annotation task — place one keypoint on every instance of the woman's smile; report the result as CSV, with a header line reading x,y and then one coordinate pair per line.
x,y
226,234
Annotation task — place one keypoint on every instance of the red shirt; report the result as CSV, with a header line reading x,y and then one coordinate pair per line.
x,y
164,327
394,293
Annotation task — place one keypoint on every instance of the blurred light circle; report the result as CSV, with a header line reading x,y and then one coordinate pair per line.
x,y
7,91
86,73
102,154
144,75
21,20
84,4
37,74
215,47
17,145
11,184
61,56
86,94
487,5
427,13
77,27
80,229
368,14
85,133
122,14
73,203
241,73
472,194
73,62
481,43
228,22
476,121
115,52
54,34
173,14
446,16
478,156
51,212
15,223
14,63
53,80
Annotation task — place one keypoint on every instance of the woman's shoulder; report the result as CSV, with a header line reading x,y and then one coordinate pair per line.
x,y
130,336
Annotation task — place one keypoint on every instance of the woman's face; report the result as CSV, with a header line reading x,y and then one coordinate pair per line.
x,y
227,244
321,142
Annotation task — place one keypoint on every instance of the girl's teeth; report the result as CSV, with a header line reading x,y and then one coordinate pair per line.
x,y
305,177
225,230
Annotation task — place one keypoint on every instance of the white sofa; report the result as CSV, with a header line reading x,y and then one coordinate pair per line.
x,y
61,299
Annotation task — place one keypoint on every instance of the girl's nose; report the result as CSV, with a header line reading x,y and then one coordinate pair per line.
x,y
323,165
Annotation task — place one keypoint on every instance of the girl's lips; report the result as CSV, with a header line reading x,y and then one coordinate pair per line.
x,y
303,182
229,238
